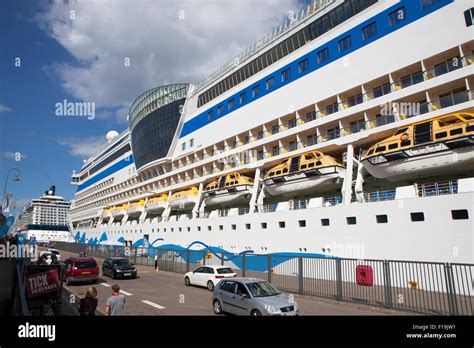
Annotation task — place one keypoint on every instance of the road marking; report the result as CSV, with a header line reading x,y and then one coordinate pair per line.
x,y
125,293
105,284
156,305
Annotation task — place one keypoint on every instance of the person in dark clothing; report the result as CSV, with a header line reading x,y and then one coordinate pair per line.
x,y
88,304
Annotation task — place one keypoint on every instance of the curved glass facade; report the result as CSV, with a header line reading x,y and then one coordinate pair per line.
x,y
153,119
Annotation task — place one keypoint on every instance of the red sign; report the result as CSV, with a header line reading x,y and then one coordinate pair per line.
x,y
365,275
42,283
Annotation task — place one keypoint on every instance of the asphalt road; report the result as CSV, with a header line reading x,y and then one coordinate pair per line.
x,y
164,293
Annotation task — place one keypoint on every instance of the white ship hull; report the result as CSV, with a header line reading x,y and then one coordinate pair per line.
x,y
299,183
438,159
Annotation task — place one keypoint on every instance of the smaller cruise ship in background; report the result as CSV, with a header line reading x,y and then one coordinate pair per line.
x,y
45,218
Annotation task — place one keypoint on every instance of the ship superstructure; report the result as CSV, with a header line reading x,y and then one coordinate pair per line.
x,y
346,132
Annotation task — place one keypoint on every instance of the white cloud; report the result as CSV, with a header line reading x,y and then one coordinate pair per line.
x,y
4,108
83,147
163,47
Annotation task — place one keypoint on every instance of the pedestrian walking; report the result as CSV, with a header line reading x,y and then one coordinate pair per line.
x,y
88,304
116,302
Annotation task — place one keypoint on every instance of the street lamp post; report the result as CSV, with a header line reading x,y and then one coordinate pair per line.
x,y
15,178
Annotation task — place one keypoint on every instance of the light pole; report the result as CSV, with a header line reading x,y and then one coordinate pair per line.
x,y
15,178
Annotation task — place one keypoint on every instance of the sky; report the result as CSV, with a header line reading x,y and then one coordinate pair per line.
x,y
105,53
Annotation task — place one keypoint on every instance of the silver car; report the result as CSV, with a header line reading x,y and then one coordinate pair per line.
x,y
251,296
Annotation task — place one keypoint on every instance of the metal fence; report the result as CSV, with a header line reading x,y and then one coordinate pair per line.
x,y
433,288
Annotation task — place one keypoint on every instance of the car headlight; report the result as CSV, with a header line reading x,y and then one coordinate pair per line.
x,y
272,310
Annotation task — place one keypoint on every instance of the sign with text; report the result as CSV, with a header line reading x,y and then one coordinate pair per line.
x,y
42,283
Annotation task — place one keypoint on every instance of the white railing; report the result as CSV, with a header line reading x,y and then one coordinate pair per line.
x,y
379,196
438,188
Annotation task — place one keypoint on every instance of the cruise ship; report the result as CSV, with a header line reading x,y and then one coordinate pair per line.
x,y
346,132
45,218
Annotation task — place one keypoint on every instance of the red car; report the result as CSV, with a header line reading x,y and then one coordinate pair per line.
x,y
81,269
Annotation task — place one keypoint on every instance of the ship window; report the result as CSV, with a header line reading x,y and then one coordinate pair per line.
x,y
308,157
323,55
351,220
441,135
278,172
397,16
392,146
405,143
209,115
221,227
469,16
400,131
270,83
199,228
370,152
461,214
302,223
234,227
282,224
180,229
311,165
382,219
304,166
325,222
369,31
344,44
189,229
220,110
456,131
380,149
419,216
285,75
303,65
428,3
264,225
248,226
230,104
243,97
285,170
318,163
209,228
255,91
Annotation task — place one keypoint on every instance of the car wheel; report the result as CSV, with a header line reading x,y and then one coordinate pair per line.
x,y
94,281
256,313
187,282
210,285
216,305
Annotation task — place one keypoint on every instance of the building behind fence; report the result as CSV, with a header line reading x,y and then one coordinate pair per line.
x,y
433,288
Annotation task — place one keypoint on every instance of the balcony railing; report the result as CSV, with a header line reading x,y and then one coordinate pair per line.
x,y
378,196
437,189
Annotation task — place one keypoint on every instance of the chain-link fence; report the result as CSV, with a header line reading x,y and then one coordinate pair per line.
x,y
433,288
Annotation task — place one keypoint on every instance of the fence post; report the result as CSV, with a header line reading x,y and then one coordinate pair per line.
x,y
269,267
204,259
300,275
222,259
388,284
135,255
188,257
338,280
451,290
243,265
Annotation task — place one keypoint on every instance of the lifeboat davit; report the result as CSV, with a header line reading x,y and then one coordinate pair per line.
x,y
311,171
184,200
157,205
135,209
233,188
434,146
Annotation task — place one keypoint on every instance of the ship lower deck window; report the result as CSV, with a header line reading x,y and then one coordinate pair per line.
x,y
221,227
199,228
282,224
382,219
344,44
303,65
460,214
397,16
209,228
381,149
302,223
323,55
248,226
441,135
351,220
418,216
392,146
285,75
369,31
234,227
428,3
189,229
469,17
270,83
325,222
264,225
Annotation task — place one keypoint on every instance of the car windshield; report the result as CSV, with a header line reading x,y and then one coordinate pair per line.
x,y
85,264
262,289
225,270
54,252
123,262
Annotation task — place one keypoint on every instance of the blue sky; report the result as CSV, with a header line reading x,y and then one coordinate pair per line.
x,y
75,51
